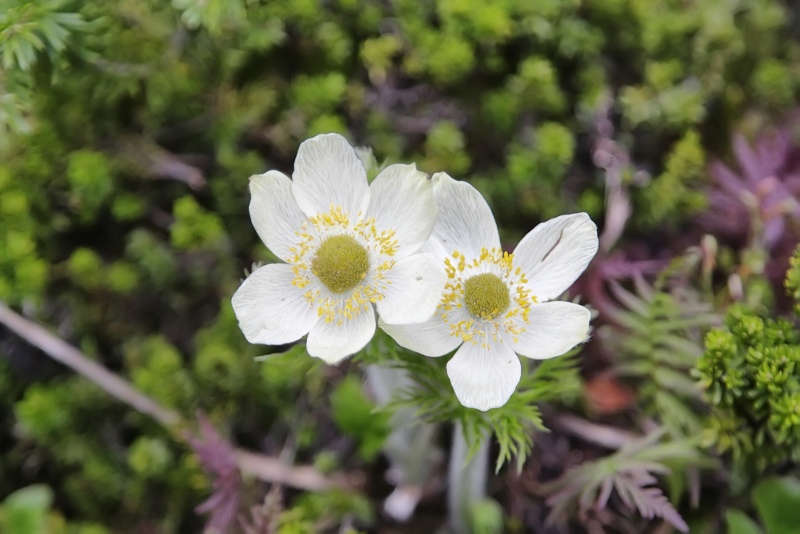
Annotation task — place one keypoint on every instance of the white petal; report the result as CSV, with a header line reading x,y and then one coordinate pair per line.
x,y
401,199
433,246
415,286
484,378
555,253
333,342
553,329
464,222
270,309
274,212
431,338
327,172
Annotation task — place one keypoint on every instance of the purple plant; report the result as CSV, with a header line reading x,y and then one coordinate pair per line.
x,y
612,265
218,458
768,186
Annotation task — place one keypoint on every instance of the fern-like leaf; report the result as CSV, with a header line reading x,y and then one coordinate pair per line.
x,y
27,28
659,344
630,473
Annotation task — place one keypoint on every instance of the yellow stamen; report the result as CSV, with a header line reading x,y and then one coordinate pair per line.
x,y
341,263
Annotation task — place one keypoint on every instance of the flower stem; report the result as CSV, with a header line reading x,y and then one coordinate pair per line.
x,y
466,479
411,447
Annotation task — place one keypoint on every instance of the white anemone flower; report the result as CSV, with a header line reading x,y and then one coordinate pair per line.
x,y
349,248
495,304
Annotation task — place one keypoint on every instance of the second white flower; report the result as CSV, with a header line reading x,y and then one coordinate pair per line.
x,y
494,305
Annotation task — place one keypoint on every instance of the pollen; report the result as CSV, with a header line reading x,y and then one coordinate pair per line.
x,y
486,296
341,263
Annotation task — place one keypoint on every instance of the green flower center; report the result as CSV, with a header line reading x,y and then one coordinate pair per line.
x,y
341,263
486,296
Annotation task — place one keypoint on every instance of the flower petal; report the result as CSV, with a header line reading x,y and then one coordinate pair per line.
x,y
484,378
431,338
327,172
464,222
333,342
553,329
270,309
414,289
401,200
434,247
275,213
555,253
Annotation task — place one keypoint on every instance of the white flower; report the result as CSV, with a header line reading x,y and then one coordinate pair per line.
x,y
347,246
494,303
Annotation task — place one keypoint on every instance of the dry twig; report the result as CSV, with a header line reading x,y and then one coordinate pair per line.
x,y
605,436
266,468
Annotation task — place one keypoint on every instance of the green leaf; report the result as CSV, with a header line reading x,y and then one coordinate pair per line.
x,y
356,417
739,523
486,517
778,504
25,511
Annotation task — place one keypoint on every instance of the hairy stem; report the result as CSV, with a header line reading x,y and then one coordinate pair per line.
x,y
466,479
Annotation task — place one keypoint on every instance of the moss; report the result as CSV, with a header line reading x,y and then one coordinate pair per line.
x,y
91,182
677,192
444,149
194,227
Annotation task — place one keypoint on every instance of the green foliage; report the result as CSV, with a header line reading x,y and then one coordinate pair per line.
x,y
445,58
319,94
536,88
537,172
85,268
45,413
444,149
774,84
194,227
15,104
22,271
486,517
27,28
660,346
739,523
377,54
792,282
750,375
213,15
153,364
355,416
90,180
777,501
28,511
127,207
152,256
314,510
286,372
677,107
149,457
122,277
431,395
25,510
676,190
